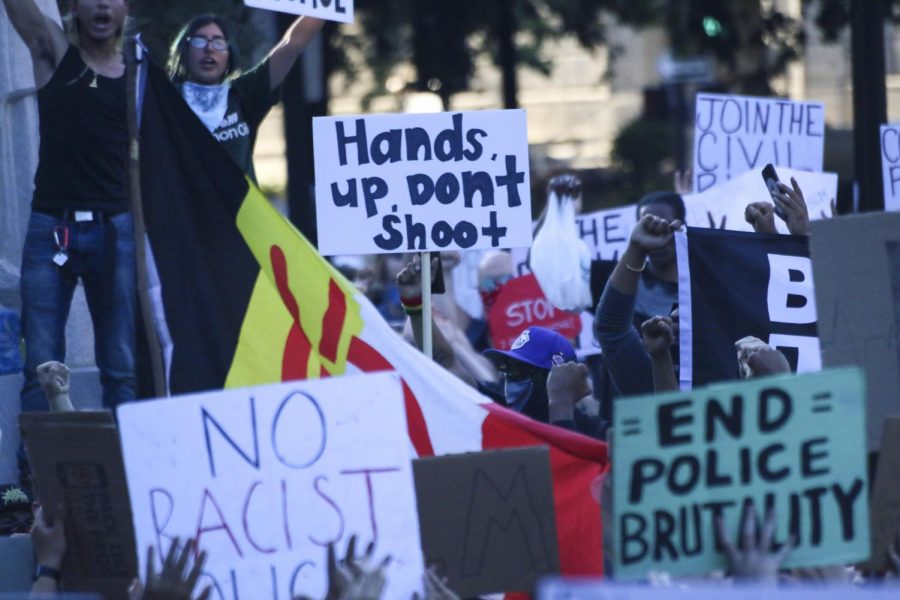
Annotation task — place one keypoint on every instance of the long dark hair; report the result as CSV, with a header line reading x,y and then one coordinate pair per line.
x,y
176,67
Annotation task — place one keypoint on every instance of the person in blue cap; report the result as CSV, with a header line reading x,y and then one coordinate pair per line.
x,y
525,367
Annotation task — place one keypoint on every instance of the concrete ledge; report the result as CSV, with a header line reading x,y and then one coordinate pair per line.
x,y
86,394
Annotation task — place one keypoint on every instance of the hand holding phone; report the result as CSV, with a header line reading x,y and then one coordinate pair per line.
x,y
771,178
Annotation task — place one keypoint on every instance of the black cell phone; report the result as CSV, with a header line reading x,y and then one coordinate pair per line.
x,y
437,284
771,178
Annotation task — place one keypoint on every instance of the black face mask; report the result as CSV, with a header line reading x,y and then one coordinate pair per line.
x,y
529,397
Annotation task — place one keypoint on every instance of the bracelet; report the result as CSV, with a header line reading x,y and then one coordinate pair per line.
x,y
634,270
412,301
412,310
45,571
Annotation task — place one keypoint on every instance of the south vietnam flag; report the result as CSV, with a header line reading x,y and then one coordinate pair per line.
x,y
243,299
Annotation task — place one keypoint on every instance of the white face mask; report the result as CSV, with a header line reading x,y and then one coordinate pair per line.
x,y
209,102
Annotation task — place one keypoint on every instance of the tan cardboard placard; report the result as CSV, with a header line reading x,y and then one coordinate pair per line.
x,y
76,461
885,509
487,519
856,269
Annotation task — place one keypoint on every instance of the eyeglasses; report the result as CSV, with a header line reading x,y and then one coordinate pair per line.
x,y
200,43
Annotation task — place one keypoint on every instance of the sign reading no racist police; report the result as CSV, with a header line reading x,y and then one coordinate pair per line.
x,y
422,182
332,10
792,444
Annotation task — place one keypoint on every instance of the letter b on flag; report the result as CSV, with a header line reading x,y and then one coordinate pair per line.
x,y
790,295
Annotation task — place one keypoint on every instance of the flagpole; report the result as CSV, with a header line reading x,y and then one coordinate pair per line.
x,y
137,211
427,320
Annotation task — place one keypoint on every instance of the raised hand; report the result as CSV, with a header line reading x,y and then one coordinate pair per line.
x,y
566,385
761,215
173,582
659,334
790,200
652,232
754,559
409,279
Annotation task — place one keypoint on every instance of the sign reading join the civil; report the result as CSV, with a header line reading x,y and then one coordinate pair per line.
x,y
265,478
794,445
890,166
422,182
734,134
332,10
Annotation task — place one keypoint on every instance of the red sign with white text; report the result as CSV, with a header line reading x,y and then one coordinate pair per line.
x,y
521,303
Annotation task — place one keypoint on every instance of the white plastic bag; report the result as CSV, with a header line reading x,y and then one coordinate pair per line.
x,y
560,260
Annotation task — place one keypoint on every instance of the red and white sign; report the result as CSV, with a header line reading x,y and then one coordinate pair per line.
x,y
521,304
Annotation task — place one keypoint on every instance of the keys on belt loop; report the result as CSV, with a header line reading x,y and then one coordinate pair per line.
x,y
61,237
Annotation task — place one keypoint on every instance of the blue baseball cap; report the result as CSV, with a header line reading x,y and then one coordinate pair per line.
x,y
537,346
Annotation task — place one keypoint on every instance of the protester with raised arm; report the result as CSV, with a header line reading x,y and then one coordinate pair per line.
x,y
203,63
625,356
80,225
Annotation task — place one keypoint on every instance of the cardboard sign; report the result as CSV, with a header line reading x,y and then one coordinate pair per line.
x,y
77,461
487,519
417,182
331,10
890,166
735,134
264,478
555,588
17,558
856,267
886,497
790,443
723,206
520,304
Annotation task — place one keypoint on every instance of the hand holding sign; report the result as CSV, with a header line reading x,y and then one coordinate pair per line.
x,y
49,538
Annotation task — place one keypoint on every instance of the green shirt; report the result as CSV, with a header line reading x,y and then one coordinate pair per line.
x,y
249,100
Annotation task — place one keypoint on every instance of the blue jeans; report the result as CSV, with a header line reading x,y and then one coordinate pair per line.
x,y
101,254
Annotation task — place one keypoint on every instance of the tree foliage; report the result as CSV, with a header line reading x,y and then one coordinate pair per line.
x,y
444,39
159,21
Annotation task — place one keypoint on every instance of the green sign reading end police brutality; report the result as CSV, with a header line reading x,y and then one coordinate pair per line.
x,y
792,444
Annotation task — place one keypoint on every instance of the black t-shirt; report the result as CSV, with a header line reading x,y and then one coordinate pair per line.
x,y
82,160
249,101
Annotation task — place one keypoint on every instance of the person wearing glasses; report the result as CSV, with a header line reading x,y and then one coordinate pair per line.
x,y
203,64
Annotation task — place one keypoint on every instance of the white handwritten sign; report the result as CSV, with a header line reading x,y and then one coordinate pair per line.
x,y
331,10
422,182
890,165
734,134
723,206
264,478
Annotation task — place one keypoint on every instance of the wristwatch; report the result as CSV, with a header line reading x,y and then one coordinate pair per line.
x,y
45,571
